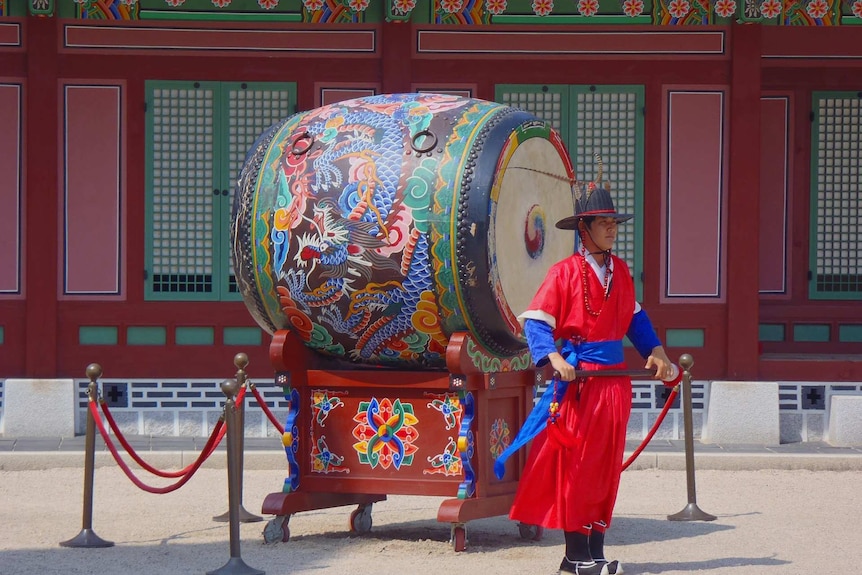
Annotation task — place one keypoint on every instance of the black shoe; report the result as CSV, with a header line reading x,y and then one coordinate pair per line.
x,y
581,567
611,567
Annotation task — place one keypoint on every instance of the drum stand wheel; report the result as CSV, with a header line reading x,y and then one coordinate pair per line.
x,y
458,537
360,519
277,529
532,532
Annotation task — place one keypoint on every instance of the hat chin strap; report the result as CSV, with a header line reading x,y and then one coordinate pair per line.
x,y
606,253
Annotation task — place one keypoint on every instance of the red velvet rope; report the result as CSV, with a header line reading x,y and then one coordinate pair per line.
x,y
94,412
667,405
219,432
188,472
266,410
213,442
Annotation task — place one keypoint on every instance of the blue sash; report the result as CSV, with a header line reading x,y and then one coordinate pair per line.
x,y
601,352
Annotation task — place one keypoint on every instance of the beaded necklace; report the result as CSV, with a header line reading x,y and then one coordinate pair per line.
x,y
605,281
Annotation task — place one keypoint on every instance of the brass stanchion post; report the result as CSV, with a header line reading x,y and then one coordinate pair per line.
x,y
87,537
690,512
240,360
232,418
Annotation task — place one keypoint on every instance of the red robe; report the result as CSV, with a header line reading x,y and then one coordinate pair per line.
x,y
572,474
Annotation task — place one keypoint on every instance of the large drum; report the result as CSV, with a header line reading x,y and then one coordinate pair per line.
x,y
376,228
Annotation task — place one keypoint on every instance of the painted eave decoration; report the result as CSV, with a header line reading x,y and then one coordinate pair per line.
x,y
457,12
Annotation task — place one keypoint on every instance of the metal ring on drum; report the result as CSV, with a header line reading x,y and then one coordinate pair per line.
x,y
406,218
295,149
423,135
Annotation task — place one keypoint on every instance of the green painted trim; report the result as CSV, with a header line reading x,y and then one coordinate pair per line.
x,y
812,199
67,10
195,335
47,10
227,179
219,16
771,332
572,19
2,335
636,267
242,336
811,332
235,6
676,337
146,335
221,151
640,135
221,178
813,293
846,333
501,89
150,87
15,8
97,335
568,129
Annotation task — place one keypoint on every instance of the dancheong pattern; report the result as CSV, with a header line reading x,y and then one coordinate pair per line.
x,y
322,405
386,433
323,460
500,437
474,12
448,462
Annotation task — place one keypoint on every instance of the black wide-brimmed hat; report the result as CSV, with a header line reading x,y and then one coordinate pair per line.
x,y
594,201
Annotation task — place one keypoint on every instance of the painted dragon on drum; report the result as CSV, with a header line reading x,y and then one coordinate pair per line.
x,y
351,236
352,223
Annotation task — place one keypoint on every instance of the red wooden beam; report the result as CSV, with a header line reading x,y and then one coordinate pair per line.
x,y
42,224
743,298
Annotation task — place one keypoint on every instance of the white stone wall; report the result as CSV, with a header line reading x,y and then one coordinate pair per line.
x,y
184,407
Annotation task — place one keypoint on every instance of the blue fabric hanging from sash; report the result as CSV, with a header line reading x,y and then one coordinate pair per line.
x,y
601,352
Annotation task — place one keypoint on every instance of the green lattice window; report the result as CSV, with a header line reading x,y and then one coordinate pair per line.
x,y
607,120
836,196
197,136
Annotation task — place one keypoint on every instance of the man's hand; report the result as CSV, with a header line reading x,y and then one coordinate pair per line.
x,y
566,369
664,368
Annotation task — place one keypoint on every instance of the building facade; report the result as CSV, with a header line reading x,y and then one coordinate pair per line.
x,y
732,129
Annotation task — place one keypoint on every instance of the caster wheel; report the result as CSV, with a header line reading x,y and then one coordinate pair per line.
x,y
277,529
459,538
360,519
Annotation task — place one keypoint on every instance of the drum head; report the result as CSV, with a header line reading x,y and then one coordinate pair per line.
x,y
532,191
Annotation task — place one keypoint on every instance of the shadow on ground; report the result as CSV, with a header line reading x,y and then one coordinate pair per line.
x,y
698,566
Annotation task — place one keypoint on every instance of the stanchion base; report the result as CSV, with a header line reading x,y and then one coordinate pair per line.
x,y
236,566
86,538
691,512
244,516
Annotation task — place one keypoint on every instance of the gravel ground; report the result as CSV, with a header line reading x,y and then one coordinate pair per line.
x,y
772,521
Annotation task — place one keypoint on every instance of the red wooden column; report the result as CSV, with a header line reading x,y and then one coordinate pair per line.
x,y
40,197
743,204
395,60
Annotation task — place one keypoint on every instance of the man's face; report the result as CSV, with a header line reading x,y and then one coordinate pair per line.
x,y
603,232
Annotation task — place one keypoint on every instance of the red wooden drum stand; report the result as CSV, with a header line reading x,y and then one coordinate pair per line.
x,y
352,437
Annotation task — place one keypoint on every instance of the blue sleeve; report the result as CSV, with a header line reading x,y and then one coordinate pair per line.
x,y
540,338
642,334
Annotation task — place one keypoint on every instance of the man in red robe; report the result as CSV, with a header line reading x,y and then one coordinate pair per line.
x,y
572,474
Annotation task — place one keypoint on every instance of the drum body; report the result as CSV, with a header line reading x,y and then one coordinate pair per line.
x,y
377,227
